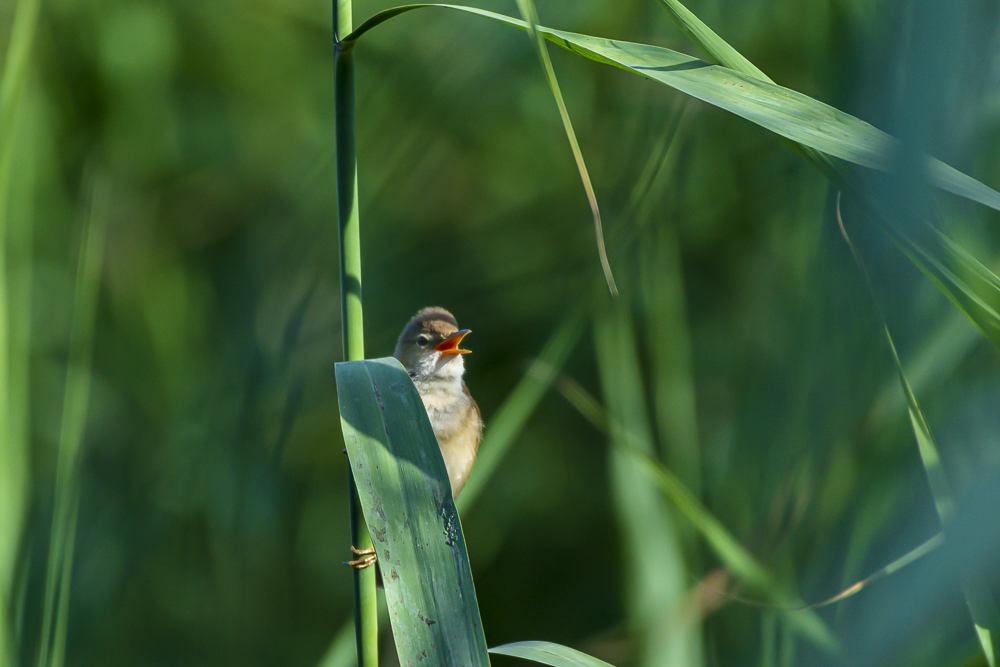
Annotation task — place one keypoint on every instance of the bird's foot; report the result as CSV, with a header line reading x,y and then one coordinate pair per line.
x,y
367,558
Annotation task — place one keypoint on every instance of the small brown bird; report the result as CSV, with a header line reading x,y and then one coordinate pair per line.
x,y
429,350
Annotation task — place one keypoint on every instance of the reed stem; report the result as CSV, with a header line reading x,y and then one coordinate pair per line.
x,y
365,601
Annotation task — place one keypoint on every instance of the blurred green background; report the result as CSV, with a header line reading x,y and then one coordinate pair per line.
x,y
744,346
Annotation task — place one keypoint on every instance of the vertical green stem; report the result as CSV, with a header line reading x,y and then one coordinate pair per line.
x,y
365,601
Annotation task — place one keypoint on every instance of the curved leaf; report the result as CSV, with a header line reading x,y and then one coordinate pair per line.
x,y
818,131
972,287
781,110
548,653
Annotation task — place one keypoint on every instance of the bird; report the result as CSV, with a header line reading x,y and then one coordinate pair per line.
x,y
428,348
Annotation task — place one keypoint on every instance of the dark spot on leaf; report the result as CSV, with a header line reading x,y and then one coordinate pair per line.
x,y
450,519
377,507
393,575
426,620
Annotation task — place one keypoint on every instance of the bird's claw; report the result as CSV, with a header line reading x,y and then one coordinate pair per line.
x,y
368,557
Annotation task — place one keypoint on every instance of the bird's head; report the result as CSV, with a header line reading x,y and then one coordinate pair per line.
x,y
429,345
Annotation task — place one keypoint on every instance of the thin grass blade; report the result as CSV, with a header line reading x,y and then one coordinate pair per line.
x,y
982,606
717,49
671,355
725,546
548,653
404,491
530,16
74,421
969,284
15,71
938,356
503,428
657,574
16,231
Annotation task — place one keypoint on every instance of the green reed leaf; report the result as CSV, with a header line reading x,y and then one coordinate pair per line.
x,y
982,606
16,238
406,497
74,421
785,112
726,547
15,70
656,571
819,132
503,427
968,283
530,16
548,653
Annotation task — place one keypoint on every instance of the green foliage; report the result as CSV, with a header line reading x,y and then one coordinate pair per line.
x,y
657,573
510,418
635,449
785,112
974,585
76,401
17,171
212,518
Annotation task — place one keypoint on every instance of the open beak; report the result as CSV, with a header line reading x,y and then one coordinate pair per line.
x,y
450,346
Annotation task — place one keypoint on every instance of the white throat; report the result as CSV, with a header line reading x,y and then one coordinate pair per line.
x,y
436,369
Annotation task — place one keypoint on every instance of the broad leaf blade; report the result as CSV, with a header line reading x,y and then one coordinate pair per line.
x,y
548,653
406,497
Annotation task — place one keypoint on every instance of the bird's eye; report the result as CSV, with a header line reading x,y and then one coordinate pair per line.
x,y
422,340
